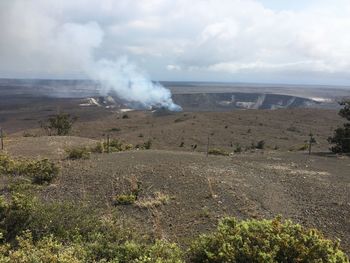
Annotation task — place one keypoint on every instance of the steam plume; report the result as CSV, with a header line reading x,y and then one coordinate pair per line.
x,y
130,84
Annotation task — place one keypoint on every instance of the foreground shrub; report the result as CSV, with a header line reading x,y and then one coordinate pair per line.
x,y
34,231
46,250
50,249
41,171
264,241
78,153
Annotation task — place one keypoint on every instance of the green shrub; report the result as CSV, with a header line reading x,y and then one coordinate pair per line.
x,y
260,145
218,152
238,148
114,130
15,215
46,250
34,231
61,123
78,153
114,146
41,171
162,252
7,165
148,144
341,136
341,139
64,220
99,148
304,147
124,199
264,241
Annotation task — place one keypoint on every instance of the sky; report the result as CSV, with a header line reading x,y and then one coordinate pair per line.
x,y
256,41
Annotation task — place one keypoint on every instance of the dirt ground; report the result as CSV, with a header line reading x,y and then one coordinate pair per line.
x,y
285,130
311,190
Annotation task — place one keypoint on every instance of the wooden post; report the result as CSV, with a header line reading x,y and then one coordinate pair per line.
x,y
2,138
107,143
208,145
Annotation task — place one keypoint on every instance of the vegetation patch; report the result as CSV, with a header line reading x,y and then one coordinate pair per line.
x,y
341,137
124,199
59,124
78,153
216,151
114,145
156,200
35,231
40,171
114,130
147,145
264,241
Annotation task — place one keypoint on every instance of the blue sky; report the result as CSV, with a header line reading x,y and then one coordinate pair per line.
x,y
213,40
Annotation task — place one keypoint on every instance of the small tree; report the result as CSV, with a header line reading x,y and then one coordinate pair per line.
x,y
61,123
341,137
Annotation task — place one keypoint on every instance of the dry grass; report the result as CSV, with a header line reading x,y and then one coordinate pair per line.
x,y
156,200
210,186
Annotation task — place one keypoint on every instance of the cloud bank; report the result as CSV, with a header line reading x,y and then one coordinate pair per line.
x,y
172,39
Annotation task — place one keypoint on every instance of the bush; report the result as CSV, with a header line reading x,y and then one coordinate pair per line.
x,y
99,148
114,130
41,171
238,148
304,147
46,250
260,145
61,123
78,153
50,249
148,144
157,200
341,137
34,231
264,241
114,146
218,152
124,199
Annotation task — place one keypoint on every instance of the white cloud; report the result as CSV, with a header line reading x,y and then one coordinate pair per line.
x,y
173,67
223,36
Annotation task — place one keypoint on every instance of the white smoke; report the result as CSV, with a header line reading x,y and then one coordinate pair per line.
x,y
130,83
34,37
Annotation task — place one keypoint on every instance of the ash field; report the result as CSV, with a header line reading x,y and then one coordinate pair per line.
x,y
279,179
